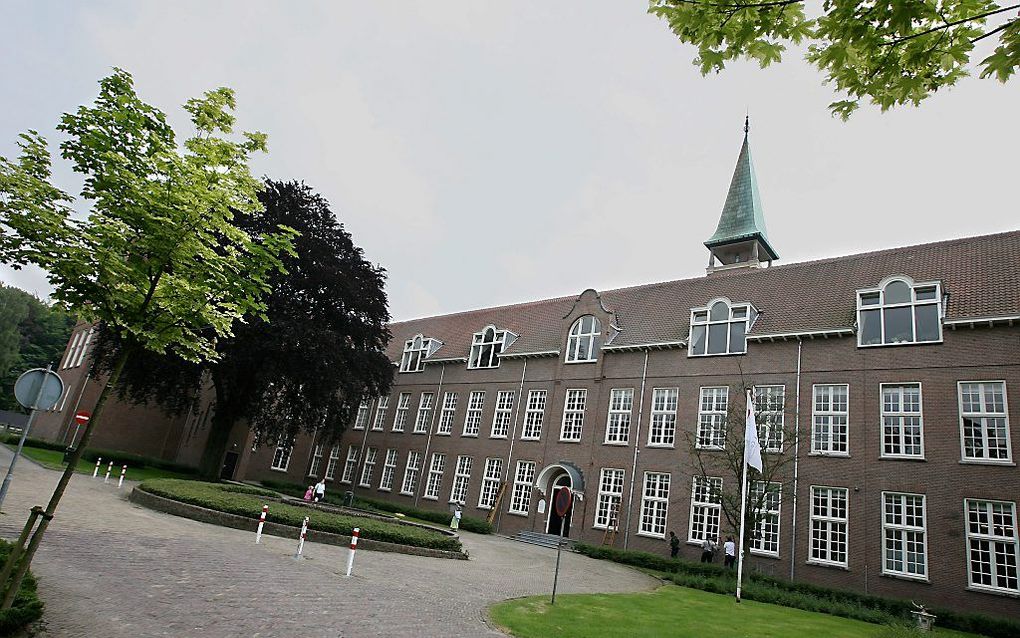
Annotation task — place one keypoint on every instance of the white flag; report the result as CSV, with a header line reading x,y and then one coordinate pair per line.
x,y
752,449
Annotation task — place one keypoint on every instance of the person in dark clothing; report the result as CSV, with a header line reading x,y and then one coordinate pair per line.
x,y
707,550
674,545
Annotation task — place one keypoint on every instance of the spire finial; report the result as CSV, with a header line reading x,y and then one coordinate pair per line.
x,y
747,124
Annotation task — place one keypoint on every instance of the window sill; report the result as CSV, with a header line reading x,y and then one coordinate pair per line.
x,y
493,436
900,343
402,493
651,535
419,433
531,438
365,485
521,514
468,436
716,354
1003,463
358,429
385,489
443,433
834,455
278,469
431,498
345,482
376,430
907,577
763,554
569,441
708,448
994,592
581,361
902,458
616,443
487,508
396,431
661,446
694,543
818,563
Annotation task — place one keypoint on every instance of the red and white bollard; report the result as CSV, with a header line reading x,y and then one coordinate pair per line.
x,y
262,521
95,472
109,468
301,540
123,471
354,547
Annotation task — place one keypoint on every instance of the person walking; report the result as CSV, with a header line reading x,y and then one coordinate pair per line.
x,y
730,549
320,490
707,550
674,545
455,521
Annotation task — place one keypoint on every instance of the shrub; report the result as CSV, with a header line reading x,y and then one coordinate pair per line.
x,y
214,496
467,523
27,607
12,439
136,460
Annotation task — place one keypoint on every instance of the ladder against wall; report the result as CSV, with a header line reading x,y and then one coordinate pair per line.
x,y
490,519
609,537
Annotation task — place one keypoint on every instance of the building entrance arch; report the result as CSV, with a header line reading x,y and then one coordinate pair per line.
x,y
554,477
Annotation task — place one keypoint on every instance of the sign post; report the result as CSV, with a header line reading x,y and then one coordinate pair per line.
x,y
36,389
561,504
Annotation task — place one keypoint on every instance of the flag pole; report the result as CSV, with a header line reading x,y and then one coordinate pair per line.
x,y
743,504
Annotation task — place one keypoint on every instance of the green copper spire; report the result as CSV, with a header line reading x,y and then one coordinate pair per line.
x,y
742,216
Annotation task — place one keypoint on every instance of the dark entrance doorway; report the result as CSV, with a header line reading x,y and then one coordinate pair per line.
x,y
229,465
554,520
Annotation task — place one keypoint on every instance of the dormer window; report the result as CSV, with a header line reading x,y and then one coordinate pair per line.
x,y
486,347
415,351
584,340
720,328
899,312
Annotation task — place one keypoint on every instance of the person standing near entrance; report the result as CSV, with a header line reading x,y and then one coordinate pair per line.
x,y
674,545
707,550
320,490
730,549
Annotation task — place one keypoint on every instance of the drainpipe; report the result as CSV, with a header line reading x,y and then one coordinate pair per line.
x,y
358,467
796,466
513,436
637,445
77,403
436,407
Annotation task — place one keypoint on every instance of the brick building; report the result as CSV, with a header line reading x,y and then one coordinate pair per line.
x,y
881,381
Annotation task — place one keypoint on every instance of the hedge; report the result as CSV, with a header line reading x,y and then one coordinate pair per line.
x,y
27,607
715,578
12,439
240,500
91,454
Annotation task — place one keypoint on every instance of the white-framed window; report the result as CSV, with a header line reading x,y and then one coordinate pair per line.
x,y
829,420
992,545
662,425
902,426
473,419
313,470
984,424
720,328
654,505
770,410
369,467
421,422
403,407
334,459
520,500
905,546
828,526
534,415
380,413
435,479
573,414
584,340
84,348
361,420
350,465
461,478
79,347
281,457
712,411
502,417
445,426
486,347
765,541
621,403
899,312
706,508
388,470
490,483
411,472
415,351
72,351
607,510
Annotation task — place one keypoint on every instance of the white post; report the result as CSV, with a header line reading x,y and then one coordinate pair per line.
x,y
109,468
743,511
354,547
262,521
95,472
301,540
123,471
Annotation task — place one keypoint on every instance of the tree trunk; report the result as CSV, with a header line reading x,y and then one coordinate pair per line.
x,y
216,445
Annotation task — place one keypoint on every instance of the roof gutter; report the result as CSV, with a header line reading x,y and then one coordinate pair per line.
x,y
807,334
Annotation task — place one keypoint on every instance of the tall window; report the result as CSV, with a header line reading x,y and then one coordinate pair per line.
x,y
369,467
473,420
388,470
415,351
461,478
902,430
435,480
766,529
607,510
719,329
490,483
769,408
573,415
411,471
380,412
316,460
350,465
662,427
712,418
829,429
485,348
334,458
903,527
72,351
621,402
828,525
421,422
534,416
361,421
901,312
654,503
403,405
992,545
281,456
706,508
584,340
502,417
520,500
445,426
983,421
79,348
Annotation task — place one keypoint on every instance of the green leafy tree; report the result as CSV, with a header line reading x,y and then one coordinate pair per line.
x,y
157,260
891,53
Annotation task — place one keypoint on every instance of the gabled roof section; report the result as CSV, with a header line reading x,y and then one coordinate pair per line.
x,y
742,216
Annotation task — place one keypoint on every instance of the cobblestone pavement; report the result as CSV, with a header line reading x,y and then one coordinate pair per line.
x,y
113,569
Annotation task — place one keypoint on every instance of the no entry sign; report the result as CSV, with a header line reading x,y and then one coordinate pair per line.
x,y
81,418
562,501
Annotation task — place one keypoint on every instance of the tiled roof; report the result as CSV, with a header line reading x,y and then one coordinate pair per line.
x,y
980,275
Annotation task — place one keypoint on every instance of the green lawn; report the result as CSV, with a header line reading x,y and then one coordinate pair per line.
x,y
53,460
677,611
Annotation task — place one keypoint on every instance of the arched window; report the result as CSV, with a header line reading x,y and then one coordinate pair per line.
x,y
900,312
415,351
485,348
583,342
720,328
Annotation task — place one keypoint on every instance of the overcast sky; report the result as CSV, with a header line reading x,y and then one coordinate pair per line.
x,y
488,153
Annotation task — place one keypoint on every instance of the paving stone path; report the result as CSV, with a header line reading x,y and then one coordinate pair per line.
x,y
113,569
